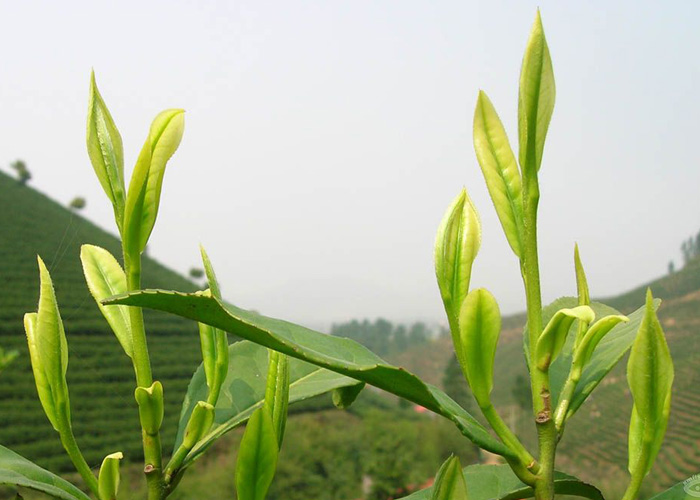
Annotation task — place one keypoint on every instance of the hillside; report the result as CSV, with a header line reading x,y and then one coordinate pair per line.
x,y
100,375
595,443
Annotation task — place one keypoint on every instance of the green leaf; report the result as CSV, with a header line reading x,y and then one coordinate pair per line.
x,y
500,170
535,100
108,482
584,298
449,481
685,490
243,391
650,377
607,354
479,328
554,335
16,470
199,423
456,245
150,402
104,145
593,336
334,353
343,397
277,392
105,278
257,458
143,198
212,282
497,482
48,352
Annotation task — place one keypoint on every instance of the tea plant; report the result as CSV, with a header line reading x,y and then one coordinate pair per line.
x,y
570,345
256,386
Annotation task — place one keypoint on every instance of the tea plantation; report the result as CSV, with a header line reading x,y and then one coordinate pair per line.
x,y
100,376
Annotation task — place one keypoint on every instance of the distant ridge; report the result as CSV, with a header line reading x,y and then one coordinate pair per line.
x,y
100,376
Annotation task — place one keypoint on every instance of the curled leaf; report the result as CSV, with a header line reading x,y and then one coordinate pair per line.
x,y
584,298
449,481
456,245
650,377
343,397
500,170
48,352
143,198
199,424
108,480
535,100
553,337
257,457
150,401
104,145
479,328
593,336
105,278
277,392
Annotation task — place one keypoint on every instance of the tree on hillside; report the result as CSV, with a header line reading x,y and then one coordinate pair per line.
x,y
690,249
77,203
23,174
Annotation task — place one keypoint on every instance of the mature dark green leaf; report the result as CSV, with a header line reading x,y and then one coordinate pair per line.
x,y
334,353
16,470
497,482
243,391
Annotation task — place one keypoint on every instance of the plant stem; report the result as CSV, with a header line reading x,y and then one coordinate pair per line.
x,y
71,447
152,452
509,438
565,399
541,401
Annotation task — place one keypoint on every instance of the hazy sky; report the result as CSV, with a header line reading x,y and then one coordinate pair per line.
x,y
324,140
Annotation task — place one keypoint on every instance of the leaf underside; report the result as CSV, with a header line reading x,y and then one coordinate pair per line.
x,y
337,354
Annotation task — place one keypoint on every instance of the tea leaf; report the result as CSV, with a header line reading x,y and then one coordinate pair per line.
x,y
479,327
650,377
257,458
456,245
449,481
199,423
599,329
105,278
606,355
108,482
16,470
247,369
535,100
553,337
498,482
343,397
143,198
48,352
334,353
277,392
150,402
104,145
500,170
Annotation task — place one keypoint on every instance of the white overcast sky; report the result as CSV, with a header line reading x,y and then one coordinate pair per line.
x,y
325,139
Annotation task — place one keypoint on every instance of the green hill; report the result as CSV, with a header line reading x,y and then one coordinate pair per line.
x,y
100,376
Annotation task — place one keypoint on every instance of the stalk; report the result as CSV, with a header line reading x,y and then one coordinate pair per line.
x,y
541,400
71,447
152,451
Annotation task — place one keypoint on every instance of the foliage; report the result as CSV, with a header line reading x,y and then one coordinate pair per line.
x,y
569,347
23,173
690,249
77,203
383,337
